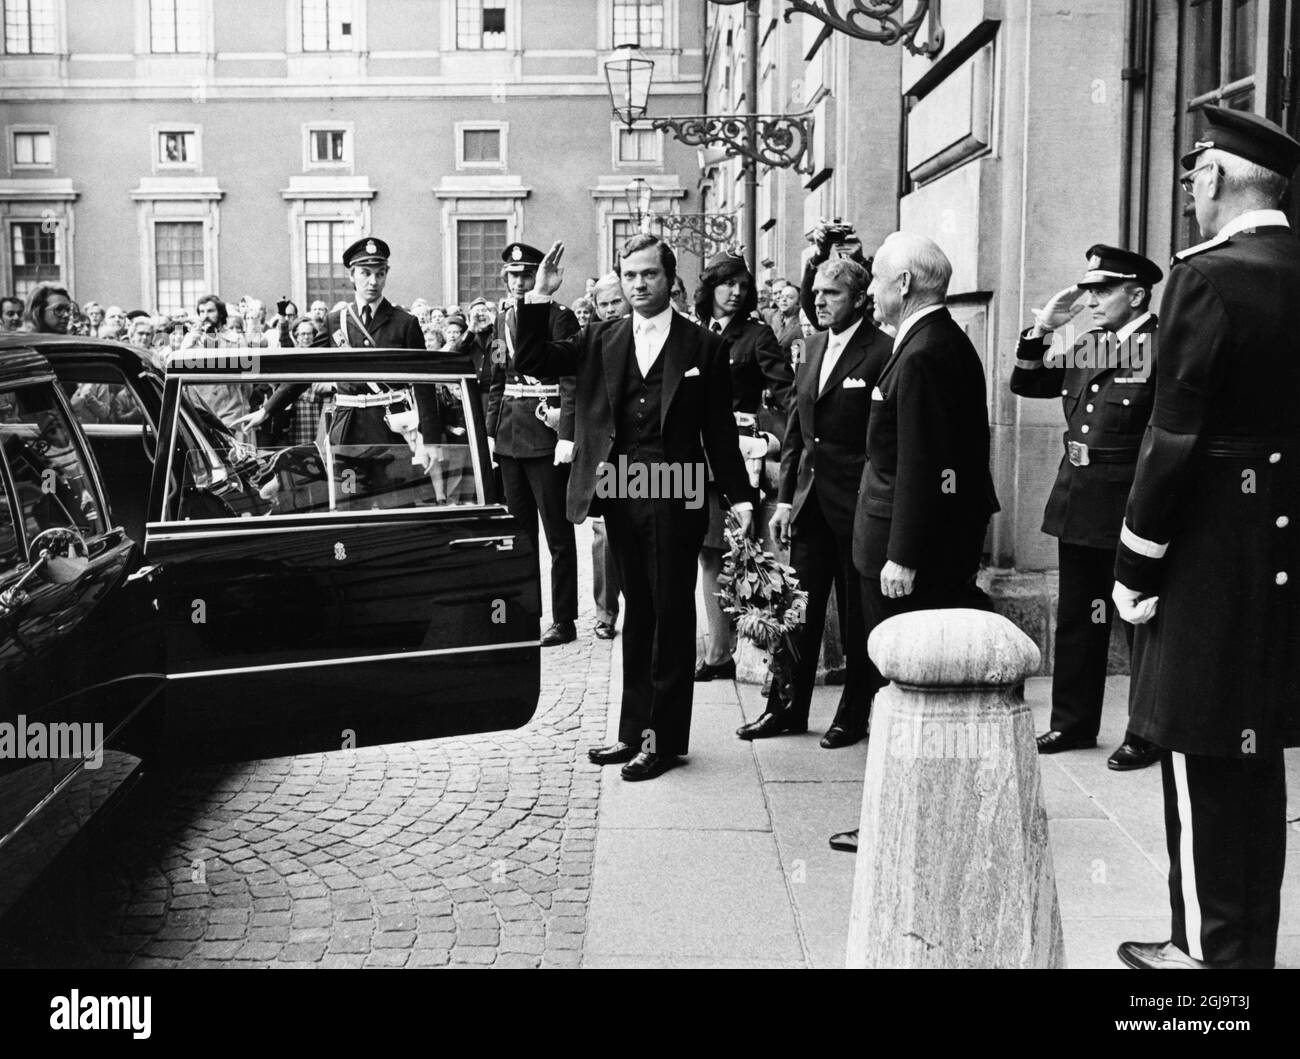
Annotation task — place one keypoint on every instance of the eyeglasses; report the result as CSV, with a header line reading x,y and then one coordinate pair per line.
x,y
1190,179
62,310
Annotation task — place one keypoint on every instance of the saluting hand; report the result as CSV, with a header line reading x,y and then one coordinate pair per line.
x,y
550,276
1063,308
1132,607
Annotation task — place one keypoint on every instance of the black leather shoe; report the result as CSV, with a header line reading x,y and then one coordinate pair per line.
x,y
845,841
838,736
1054,742
1133,754
647,766
1158,956
560,632
616,754
770,724
726,671
604,630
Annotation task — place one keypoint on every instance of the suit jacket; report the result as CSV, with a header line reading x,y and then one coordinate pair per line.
x,y
1213,520
513,422
927,476
1106,408
757,363
696,417
826,434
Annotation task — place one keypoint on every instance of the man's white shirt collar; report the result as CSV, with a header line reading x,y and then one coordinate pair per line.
x,y
844,337
1254,219
911,322
652,324
1132,326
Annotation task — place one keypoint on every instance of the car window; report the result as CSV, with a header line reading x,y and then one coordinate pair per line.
x,y
52,482
105,403
373,446
10,550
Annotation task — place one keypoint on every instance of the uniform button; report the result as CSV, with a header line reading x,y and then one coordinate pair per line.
x,y
817,441
1127,402
1089,408
1095,388
643,400
1283,522
1065,393
1275,457
1084,429
1281,578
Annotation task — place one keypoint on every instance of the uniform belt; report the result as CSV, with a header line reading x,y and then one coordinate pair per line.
x,y
1229,447
517,389
1080,455
368,400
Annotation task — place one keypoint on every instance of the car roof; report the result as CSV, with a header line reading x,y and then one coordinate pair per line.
x,y
61,347
321,362
22,365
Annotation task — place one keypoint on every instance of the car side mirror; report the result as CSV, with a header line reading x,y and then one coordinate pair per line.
x,y
60,558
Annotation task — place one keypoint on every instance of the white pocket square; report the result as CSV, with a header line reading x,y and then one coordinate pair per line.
x,y
855,384
694,373
876,395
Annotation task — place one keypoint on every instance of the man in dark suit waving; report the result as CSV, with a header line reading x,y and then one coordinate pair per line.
x,y
653,397
927,493
821,466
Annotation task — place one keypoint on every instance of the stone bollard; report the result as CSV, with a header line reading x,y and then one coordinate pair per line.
x,y
954,867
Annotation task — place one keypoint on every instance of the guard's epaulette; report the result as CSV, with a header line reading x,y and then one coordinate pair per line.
x,y
1200,248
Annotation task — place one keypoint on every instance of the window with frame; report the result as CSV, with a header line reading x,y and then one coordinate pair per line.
x,y
33,255
480,25
479,245
621,229
30,27
328,146
1221,67
639,22
637,146
481,147
327,279
327,25
178,266
175,26
178,148
32,149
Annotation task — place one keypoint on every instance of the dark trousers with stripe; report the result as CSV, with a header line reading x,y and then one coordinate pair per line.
x,y
655,545
1084,613
535,488
1225,825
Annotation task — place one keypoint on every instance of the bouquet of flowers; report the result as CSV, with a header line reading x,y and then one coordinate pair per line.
x,y
764,597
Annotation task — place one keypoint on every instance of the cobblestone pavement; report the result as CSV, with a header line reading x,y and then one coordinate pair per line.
x,y
473,851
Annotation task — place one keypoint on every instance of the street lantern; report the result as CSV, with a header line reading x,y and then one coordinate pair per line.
x,y
638,195
629,78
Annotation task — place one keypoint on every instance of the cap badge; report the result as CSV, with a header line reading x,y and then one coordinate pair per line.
x,y
517,254
371,248
1094,262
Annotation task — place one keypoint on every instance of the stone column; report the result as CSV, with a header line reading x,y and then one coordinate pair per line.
x,y
954,867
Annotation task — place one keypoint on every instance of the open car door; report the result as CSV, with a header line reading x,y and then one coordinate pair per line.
x,y
364,588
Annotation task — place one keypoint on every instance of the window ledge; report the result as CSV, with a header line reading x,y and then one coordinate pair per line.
x,y
328,187
48,189
177,188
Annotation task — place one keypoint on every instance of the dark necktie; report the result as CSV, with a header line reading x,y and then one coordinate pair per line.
x,y
365,317
717,327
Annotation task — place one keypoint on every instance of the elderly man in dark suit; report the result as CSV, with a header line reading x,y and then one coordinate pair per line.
x,y
1209,555
653,398
821,466
927,494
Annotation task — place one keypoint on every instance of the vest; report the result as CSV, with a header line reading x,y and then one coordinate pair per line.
x,y
637,431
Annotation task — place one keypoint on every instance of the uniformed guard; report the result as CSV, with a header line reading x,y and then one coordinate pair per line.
x,y
1207,565
1105,379
370,413
531,422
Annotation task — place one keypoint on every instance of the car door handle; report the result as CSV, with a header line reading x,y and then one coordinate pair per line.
x,y
144,571
502,544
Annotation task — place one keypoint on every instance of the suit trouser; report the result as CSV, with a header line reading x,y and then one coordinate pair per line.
x,y
605,585
655,545
1084,613
1225,826
821,557
536,487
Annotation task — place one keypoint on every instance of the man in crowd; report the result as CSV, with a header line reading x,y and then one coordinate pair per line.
x,y
94,313
530,420
228,401
114,325
784,317
927,494
653,392
1106,384
11,313
607,293
1209,558
821,468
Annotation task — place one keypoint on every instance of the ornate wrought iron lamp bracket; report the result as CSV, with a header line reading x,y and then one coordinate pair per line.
x,y
874,20
778,140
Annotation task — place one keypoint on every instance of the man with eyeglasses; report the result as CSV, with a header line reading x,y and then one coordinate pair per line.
x,y
1209,558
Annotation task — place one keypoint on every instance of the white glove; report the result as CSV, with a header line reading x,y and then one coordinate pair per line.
x,y
1132,607
563,452
1064,307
